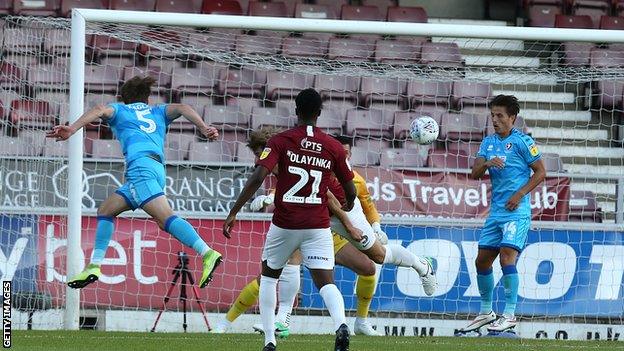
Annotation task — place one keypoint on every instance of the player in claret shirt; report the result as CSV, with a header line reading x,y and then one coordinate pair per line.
x,y
306,157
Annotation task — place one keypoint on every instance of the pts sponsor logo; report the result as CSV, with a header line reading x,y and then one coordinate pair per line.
x,y
311,145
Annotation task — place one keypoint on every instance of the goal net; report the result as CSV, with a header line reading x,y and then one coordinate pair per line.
x,y
241,80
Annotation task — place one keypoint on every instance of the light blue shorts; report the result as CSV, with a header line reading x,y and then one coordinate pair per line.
x,y
145,180
504,232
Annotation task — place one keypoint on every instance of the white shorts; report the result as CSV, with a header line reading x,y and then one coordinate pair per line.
x,y
317,247
358,219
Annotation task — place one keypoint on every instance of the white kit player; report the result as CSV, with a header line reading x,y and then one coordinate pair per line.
x,y
306,158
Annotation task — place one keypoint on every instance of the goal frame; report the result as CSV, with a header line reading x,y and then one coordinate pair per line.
x,y
77,72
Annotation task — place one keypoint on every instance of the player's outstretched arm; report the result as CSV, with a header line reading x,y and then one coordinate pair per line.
x,y
539,173
63,132
176,110
253,183
335,207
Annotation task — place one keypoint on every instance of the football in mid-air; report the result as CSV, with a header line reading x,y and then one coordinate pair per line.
x,y
424,130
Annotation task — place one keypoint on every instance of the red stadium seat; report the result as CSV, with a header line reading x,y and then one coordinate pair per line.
x,y
316,11
133,5
177,146
48,76
270,116
172,40
22,41
349,49
331,121
407,14
36,8
257,44
214,151
361,156
619,8
543,15
403,119
68,5
470,94
198,80
575,54
243,82
214,41
304,47
397,51
577,21
184,6
441,55
361,13
226,118
10,77
381,90
369,123
608,94
105,45
594,9
245,104
31,114
268,9
57,41
382,5
606,58
612,23
222,7
290,6
337,87
402,158
286,85
440,158
6,7
462,126
428,92
335,4
102,78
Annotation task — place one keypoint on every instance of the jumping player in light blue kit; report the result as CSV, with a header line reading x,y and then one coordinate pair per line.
x,y
509,156
141,130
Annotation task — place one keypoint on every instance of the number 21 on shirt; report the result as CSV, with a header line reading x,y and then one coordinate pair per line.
x,y
290,196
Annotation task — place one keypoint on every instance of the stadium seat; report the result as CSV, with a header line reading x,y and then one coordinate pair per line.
x,y
349,49
133,5
290,5
286,84
382,6
429,92
102,78
57,41
462,126
268,9
105,45
6,7
22,41
10,76
244,154
177,145
36,8
226,118
214,41
257,44
619,8
576,53
363,157
398,51
381,90
608,94
594,9
48,76
245,104
369,123
163,78
172,40
612,23
361,13
575,21
407,14
336,5
304,47
584,207
52,148
68,5
334,87
402,158
270,116
243,82
184,6
470,94
331,121
543,15
440,158
35,140
441,55
222,7
199,80
17,146
59,103
316,11
215,151
403,119
106,148
603,58
467,148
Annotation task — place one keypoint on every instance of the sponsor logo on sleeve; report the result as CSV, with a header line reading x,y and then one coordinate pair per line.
x,y
265,153
533,150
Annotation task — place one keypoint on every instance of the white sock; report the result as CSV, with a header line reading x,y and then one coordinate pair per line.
x,y
288,288
267,307
400,256
334,303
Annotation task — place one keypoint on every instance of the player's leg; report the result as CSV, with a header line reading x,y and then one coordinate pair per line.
x,y
352,258
288,288
318,256
247,297
513,241
108,210
489,242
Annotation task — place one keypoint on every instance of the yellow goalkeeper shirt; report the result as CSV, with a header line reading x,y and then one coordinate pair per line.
x,y
370,211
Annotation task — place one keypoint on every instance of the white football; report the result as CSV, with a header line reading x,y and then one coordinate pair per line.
x,y
424,130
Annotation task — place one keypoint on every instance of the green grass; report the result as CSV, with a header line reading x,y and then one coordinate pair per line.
x,y
95,341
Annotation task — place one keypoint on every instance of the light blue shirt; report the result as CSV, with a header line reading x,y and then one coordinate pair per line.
x,y
140,129
519,151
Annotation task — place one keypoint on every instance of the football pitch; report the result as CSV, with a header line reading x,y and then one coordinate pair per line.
x,y
96,340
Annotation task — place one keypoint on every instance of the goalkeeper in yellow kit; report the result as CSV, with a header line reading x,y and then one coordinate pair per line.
x,y
346,255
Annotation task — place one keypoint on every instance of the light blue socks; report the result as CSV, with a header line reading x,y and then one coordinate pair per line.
x,y
103,233
511,282
186,234
485,282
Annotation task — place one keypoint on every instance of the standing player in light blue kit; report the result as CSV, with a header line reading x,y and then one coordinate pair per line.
x,y
509,156
141,130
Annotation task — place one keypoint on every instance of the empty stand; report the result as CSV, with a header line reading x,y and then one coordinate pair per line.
x,y
36,8
381,90
102,78
382,6
441,55
553,163
268,9
286,84
612,23
363,157
361,13
133,5
270,116
402,158
407,14
163,78
594,9
304,47
440,158
226,118
316,11
52,148
31,114
17,146
252,44
543,15
369,122
462,126
244,154
470,94
68,5
10,76
331,121
349,49
429,92
198,80
214,151
22,40
106,148
398,51
243,82
222,7
184,6
334,87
